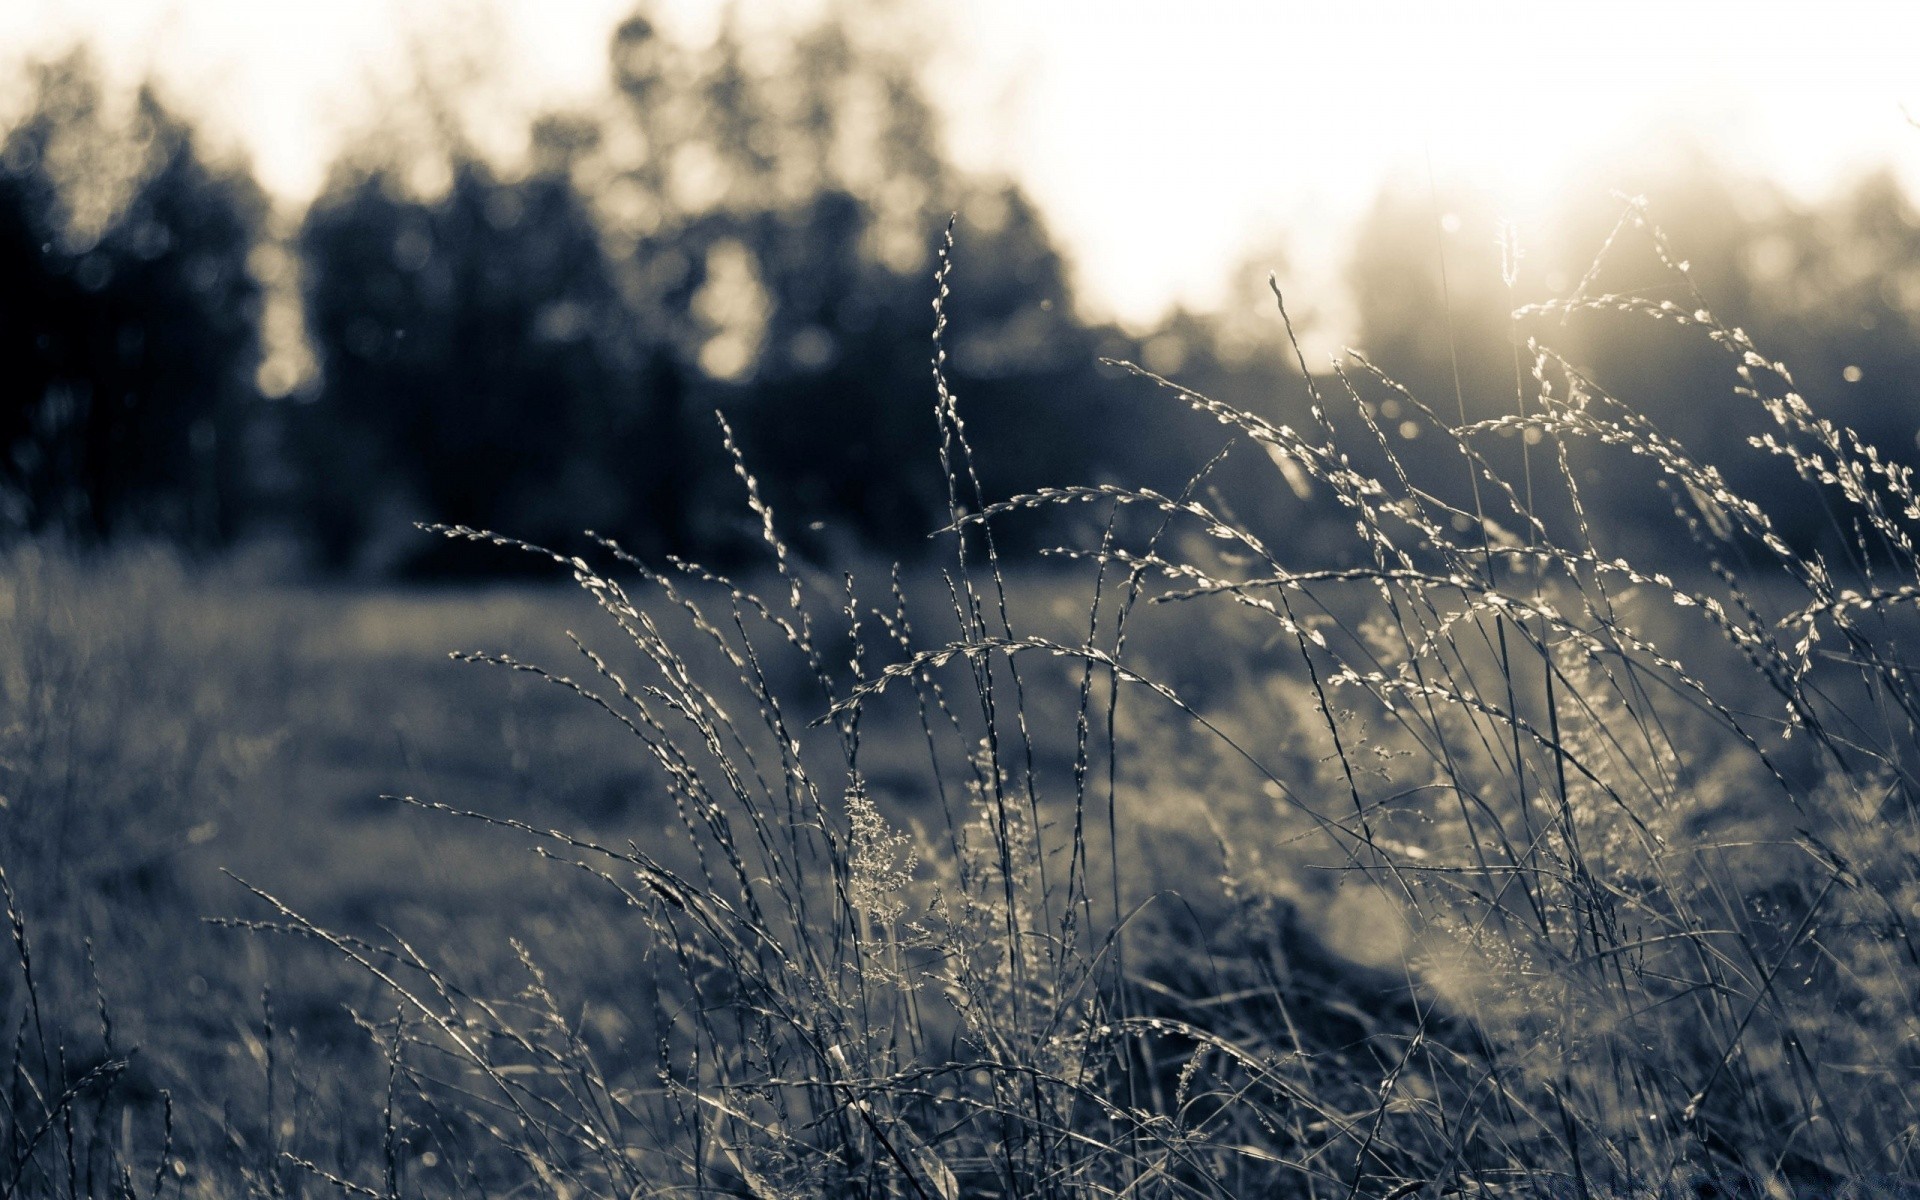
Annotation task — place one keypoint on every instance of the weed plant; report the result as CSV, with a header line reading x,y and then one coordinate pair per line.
x,y
1628,853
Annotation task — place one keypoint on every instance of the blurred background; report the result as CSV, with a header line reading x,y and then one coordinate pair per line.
x,y
291,278
279,280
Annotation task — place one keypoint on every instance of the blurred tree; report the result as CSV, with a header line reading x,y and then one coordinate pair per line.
x,y
1427,290
1832,289
128,321
747,229
779,213
840,417
36,408
467,345
1835,292
1022,361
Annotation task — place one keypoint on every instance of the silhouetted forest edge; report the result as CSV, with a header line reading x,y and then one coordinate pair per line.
x,y
541,349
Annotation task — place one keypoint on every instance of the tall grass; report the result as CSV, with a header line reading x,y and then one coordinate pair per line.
x,y
1627,854
113,769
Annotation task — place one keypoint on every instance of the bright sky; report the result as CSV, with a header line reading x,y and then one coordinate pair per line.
x,y
1164,140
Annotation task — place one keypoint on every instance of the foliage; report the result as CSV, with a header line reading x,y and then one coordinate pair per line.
x,y
470,349
129,322
741,226
725,233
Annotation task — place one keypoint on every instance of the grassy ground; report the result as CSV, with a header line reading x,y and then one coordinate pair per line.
x,y
178,731
1475,860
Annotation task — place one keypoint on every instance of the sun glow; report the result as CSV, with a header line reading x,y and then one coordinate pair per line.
x,y
1166,144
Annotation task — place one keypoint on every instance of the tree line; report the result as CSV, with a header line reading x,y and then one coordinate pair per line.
x,y
542,349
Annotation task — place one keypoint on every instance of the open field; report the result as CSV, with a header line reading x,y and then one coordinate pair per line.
x,y
1476,860
178,731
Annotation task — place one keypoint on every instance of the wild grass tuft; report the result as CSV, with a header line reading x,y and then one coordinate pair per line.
x,y
1635,846
1493,863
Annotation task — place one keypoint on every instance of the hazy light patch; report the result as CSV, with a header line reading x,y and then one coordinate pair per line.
x,y
257,73
1366,926
1159,144
290,83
